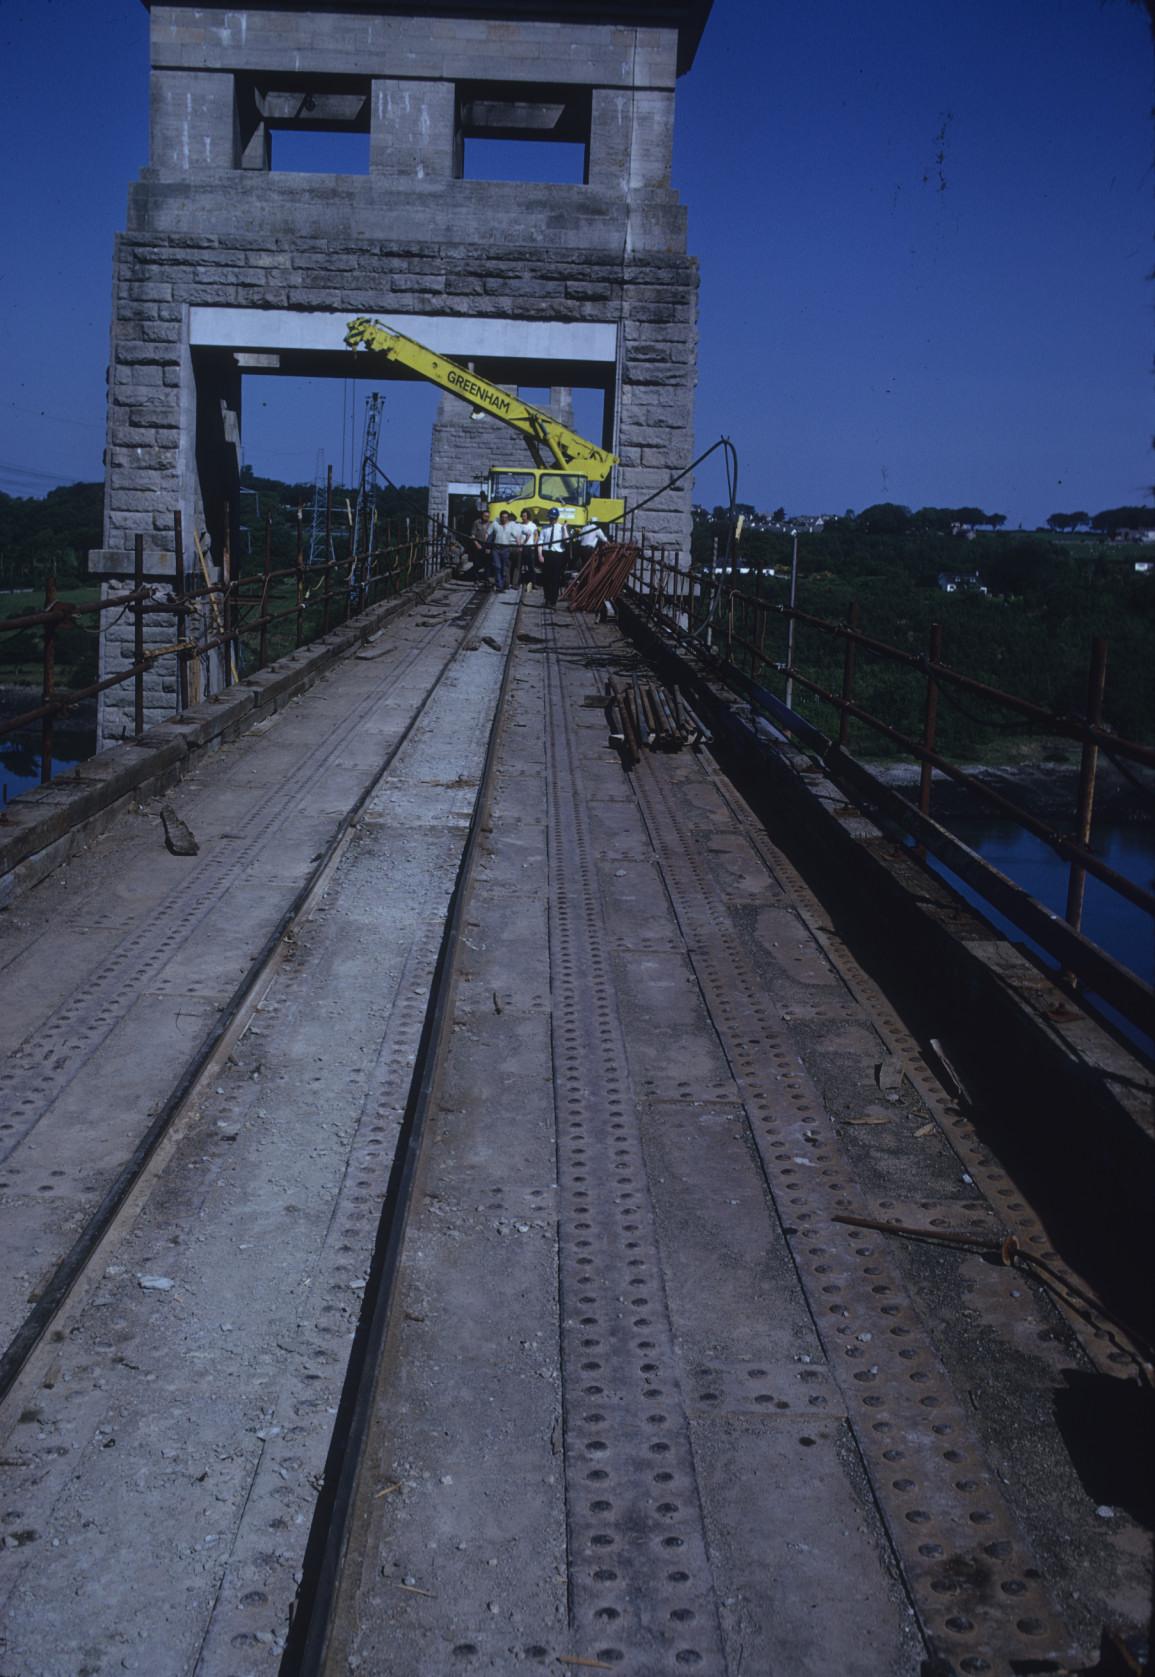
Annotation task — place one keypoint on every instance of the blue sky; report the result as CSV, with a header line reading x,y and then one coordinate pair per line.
x,y
924,237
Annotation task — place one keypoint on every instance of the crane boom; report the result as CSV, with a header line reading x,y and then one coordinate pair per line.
x,y
570,453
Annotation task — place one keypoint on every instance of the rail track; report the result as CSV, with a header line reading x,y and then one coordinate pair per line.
x,y
65,1046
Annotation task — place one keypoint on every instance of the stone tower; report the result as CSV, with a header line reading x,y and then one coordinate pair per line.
x,y
230,265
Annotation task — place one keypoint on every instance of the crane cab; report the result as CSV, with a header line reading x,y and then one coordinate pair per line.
x,y
513,489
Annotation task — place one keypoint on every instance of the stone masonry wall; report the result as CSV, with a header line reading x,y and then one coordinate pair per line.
x,y
652,297
151,471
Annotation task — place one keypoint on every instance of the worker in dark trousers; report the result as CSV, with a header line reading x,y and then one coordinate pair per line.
x,y
477,546
503,544
526,551
553,542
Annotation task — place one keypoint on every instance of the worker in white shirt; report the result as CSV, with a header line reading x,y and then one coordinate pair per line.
x,y
525,556
503,547
554,540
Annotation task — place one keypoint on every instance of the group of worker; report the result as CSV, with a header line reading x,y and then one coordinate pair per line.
x,y
518,551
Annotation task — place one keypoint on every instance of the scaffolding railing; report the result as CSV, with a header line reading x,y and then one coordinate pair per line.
x,y
250,619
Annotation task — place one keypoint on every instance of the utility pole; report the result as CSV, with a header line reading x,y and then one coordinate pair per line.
x,y
317,554
365,509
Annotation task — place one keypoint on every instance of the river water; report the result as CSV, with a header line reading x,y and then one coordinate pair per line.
x,y
20,758
1109,920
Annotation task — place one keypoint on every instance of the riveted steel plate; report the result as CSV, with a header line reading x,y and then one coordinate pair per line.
x,y
974,1584
640,1583
1109,1348
760,1386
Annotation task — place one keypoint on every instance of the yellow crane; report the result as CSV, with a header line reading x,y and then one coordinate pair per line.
x,y
578,467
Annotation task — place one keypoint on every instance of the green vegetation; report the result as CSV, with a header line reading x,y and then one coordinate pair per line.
x,y
21,650
281,514
50,536
1029,633
265,502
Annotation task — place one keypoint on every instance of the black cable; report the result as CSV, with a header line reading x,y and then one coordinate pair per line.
x,y
723,442
732,488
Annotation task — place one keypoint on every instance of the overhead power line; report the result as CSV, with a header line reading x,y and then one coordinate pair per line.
x,y
32,474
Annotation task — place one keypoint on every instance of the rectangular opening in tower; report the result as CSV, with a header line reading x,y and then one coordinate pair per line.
x,y
289,420
319,154
304,124
511,132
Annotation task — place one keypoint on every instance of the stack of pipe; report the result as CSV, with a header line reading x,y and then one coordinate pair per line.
x,y
642,714
602,577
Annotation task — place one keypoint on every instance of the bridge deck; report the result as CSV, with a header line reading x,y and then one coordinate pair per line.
x,y
643,1404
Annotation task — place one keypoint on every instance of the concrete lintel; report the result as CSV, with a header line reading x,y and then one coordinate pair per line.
x,y
463,336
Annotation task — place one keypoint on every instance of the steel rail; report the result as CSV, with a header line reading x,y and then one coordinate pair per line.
x,y
1107,977
1072,726
69,1271
316,1604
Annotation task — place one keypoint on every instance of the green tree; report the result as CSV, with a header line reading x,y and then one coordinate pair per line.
x,y
938,519
1021,567
886,518
49,535
1124,518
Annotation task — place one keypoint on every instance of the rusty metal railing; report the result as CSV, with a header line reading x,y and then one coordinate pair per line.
x,y
729,623
250,619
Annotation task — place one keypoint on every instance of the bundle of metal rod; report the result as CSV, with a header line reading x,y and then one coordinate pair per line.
x,y
641,713
623,720
623,727
690,719
603,576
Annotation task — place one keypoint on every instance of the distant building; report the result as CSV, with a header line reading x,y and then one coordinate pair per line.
x,y
808,523
961,582
1134,536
